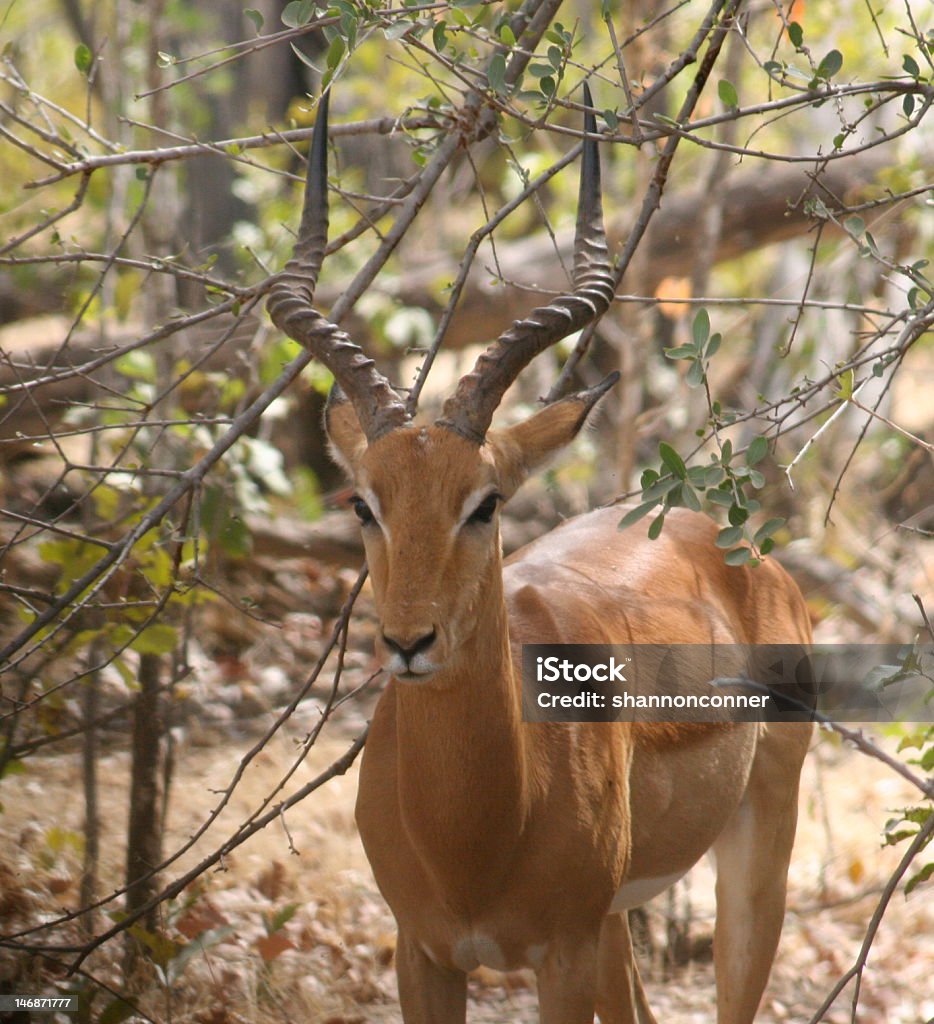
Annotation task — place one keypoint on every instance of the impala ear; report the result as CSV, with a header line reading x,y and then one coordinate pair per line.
x,y
520,449
346,437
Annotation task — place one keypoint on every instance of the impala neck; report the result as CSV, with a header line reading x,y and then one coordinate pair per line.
x,y
461,755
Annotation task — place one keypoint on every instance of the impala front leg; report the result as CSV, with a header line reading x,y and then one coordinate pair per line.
x,y
428,993
567,983
620,996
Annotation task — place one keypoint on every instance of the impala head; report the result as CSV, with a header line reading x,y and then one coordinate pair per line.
x,y
428,497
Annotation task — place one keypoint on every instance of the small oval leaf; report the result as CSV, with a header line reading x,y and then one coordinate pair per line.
x,y
83,58
757,451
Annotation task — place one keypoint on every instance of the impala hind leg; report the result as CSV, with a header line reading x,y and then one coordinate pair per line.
x,y
620,995
752,855
428,994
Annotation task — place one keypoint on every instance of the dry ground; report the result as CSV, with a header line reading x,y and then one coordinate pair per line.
x,y
330,961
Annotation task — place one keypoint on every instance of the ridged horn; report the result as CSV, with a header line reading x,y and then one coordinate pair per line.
x,y
378,406
469,411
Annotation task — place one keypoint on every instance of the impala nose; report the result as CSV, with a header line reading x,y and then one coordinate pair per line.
x,y
406,649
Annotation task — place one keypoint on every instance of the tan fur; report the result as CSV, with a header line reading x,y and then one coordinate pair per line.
x,y
505,842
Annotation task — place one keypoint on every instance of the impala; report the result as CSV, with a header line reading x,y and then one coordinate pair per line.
x,y
507,843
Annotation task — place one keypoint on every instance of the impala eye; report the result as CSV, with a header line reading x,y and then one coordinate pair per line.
x,y
362,510
483,513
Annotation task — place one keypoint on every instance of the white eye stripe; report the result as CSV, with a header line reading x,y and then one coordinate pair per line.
x,y
373,504
471,503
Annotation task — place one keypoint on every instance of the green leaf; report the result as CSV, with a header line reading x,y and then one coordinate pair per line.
x,y
439,36
729,536
681,352
796,34
672,460
197,947
830,65
722,498
757,451
506,35
635,514
922,876
697,477
399,29
855,225
304,58
713,346
658,490
235,538
335,52
738,556
767,529
908,104
158,638
655,527
701,328
496,73
84,59
727,93
690,498
911,66
847,385
137,365
283,916
256,17
695,375
737,515
298,13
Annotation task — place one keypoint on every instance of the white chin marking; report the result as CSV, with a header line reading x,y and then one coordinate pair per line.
x,y
412,678
418,670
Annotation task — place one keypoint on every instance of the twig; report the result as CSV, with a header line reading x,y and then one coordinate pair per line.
x,y
894,426
653,195
856,971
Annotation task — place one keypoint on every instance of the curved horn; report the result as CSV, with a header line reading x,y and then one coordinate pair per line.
x,y
377,404
469,411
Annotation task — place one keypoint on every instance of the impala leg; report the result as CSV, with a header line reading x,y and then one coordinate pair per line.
x,y
567,983
752,855
620,995
428,994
